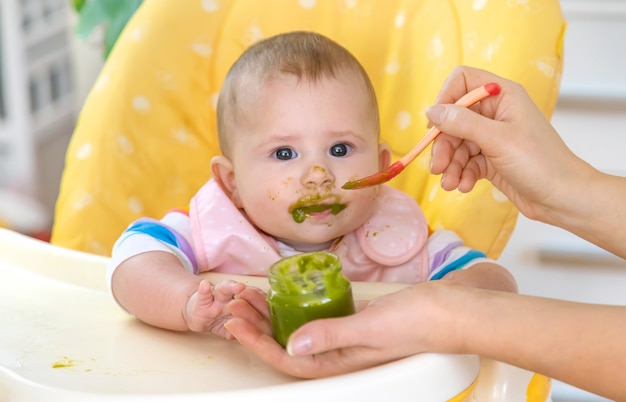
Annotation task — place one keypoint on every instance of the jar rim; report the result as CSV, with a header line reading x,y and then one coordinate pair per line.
x,y
305,273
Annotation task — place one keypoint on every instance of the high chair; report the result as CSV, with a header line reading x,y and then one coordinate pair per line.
x,y
64,339
143,143
146,134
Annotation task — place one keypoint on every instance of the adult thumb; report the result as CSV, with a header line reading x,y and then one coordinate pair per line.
x,y
320,336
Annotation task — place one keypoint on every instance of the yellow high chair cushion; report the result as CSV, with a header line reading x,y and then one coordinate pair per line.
x,y
146,133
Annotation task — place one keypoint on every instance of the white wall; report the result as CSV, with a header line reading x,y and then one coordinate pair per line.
x,y
40,107
88,62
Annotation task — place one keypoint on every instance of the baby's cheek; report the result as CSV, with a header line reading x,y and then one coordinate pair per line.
x,y
273,196
270,210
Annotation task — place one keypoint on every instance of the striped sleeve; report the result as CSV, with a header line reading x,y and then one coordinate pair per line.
x,y
171,234
447,253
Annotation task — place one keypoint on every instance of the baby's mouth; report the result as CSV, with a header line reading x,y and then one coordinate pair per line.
x,y
301,213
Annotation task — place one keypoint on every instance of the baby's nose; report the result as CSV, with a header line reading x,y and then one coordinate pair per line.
x,y
318,176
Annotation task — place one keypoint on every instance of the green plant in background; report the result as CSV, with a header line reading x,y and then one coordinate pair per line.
x,y
111,14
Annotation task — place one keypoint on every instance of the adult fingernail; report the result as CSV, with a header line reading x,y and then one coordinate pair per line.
x,y
435,114
299,346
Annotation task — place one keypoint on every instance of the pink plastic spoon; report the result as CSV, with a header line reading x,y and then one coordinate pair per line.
x,y
469,99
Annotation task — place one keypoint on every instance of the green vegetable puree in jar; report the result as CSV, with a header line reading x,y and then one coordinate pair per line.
x,y
306,287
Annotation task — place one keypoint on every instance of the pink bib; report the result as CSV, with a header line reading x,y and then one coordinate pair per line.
x,y
389,247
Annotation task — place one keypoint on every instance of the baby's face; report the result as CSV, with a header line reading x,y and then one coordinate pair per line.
x,y
299,145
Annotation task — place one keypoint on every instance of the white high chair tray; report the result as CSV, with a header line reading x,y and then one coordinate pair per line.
x,y
62,337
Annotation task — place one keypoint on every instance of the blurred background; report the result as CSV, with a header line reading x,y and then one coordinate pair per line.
x,y
49,59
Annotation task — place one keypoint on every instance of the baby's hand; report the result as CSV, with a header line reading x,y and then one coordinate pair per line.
x,y
206,309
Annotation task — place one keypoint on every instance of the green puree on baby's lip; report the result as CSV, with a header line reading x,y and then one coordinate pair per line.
x,y
300,213
306,287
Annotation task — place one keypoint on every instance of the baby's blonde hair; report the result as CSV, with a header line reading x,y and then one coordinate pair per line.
x,y
307,55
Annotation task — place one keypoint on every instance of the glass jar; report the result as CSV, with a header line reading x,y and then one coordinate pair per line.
x,y
306,287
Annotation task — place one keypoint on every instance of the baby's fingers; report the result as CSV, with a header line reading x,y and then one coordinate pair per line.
x,y
226,290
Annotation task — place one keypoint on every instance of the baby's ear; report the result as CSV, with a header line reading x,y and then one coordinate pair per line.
x,y
224,174
384,156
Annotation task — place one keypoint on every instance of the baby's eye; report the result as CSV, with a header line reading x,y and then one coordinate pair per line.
x,y
340,150
285,154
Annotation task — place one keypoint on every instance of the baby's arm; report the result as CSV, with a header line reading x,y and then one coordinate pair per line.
x,y
450,259
485,274
152,274
155,288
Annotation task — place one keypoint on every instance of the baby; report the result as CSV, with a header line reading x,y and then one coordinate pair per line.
x,y
297,118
